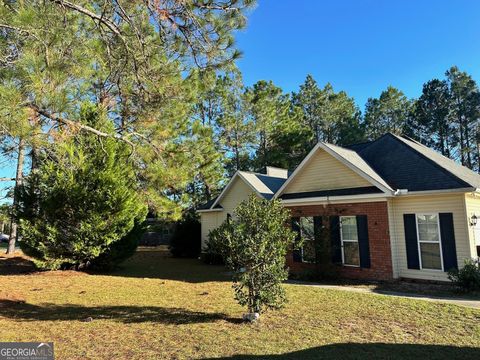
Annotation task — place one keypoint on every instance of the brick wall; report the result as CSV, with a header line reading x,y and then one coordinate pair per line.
x,y
378,235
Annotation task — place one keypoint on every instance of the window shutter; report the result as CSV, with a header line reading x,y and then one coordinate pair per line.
x,y
447,235
297,255
335,239
363,245
411,241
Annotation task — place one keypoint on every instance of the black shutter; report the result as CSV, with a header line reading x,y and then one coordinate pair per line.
x,y
335,238
411,241
447,235
297,255
363,245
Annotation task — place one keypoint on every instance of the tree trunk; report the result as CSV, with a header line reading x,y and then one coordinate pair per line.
x,y
18,182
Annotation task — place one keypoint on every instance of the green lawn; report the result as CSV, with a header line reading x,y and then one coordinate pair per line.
x,y
157,307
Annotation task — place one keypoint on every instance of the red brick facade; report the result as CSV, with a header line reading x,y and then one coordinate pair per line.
x,y
378,235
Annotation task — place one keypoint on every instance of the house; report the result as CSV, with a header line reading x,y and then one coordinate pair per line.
x,y
238,189
393,207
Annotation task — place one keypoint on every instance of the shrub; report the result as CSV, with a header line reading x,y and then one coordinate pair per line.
x,y
256,244
120,250
186,239
80,199
468,277
216,249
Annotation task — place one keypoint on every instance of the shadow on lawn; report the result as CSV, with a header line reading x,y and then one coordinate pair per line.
x,y
373,351
159,264
19,310
15,265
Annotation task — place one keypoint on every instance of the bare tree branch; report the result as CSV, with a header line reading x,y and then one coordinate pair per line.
x,y
6,179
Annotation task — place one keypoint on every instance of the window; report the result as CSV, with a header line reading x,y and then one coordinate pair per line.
x,y
429,242
349,237
307,231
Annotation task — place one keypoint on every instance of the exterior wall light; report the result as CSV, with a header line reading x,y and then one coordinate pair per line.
x,y
473,220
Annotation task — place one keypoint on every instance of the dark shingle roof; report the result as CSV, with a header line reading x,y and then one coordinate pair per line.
x,y
273,183
406,164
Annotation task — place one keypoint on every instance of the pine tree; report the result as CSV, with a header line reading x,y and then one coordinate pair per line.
x,y
432,121
280,138
332,117
388,113
133,58
82,199
465,112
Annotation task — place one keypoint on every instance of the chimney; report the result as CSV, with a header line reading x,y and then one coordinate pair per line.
x,y
277,172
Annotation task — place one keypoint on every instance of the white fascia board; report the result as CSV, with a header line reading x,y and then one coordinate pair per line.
x,y
209,210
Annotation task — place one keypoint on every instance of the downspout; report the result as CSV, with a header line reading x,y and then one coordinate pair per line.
x,y
392,215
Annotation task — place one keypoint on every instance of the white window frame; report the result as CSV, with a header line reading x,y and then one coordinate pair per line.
x,y
439,242
342,240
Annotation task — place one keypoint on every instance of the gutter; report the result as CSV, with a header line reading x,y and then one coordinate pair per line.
x,y
208,210
403,192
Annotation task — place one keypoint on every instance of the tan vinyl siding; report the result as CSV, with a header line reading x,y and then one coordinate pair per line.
x,y
325,172
427,204
238,192
472,204
209,221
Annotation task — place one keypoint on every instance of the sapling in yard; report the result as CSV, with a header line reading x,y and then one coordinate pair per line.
x,y
256,241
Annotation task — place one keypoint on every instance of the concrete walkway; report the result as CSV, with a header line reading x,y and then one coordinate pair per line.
x,y
455,300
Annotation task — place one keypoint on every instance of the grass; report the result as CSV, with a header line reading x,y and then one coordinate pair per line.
x,y
159,307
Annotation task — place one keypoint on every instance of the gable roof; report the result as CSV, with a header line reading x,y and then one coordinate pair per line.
x,y
406,164
389,163
263,185
350,159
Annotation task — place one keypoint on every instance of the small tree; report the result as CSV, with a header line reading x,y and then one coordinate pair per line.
x,y
82,201
256,244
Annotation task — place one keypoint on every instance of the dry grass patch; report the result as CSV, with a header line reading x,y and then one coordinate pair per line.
x,y
159,307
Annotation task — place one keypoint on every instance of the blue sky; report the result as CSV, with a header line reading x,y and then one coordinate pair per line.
x,y
360,46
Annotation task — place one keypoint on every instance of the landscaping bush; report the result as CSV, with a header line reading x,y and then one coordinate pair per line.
x,y
215,250
81,199
120,250
186,240
467,278
256,243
